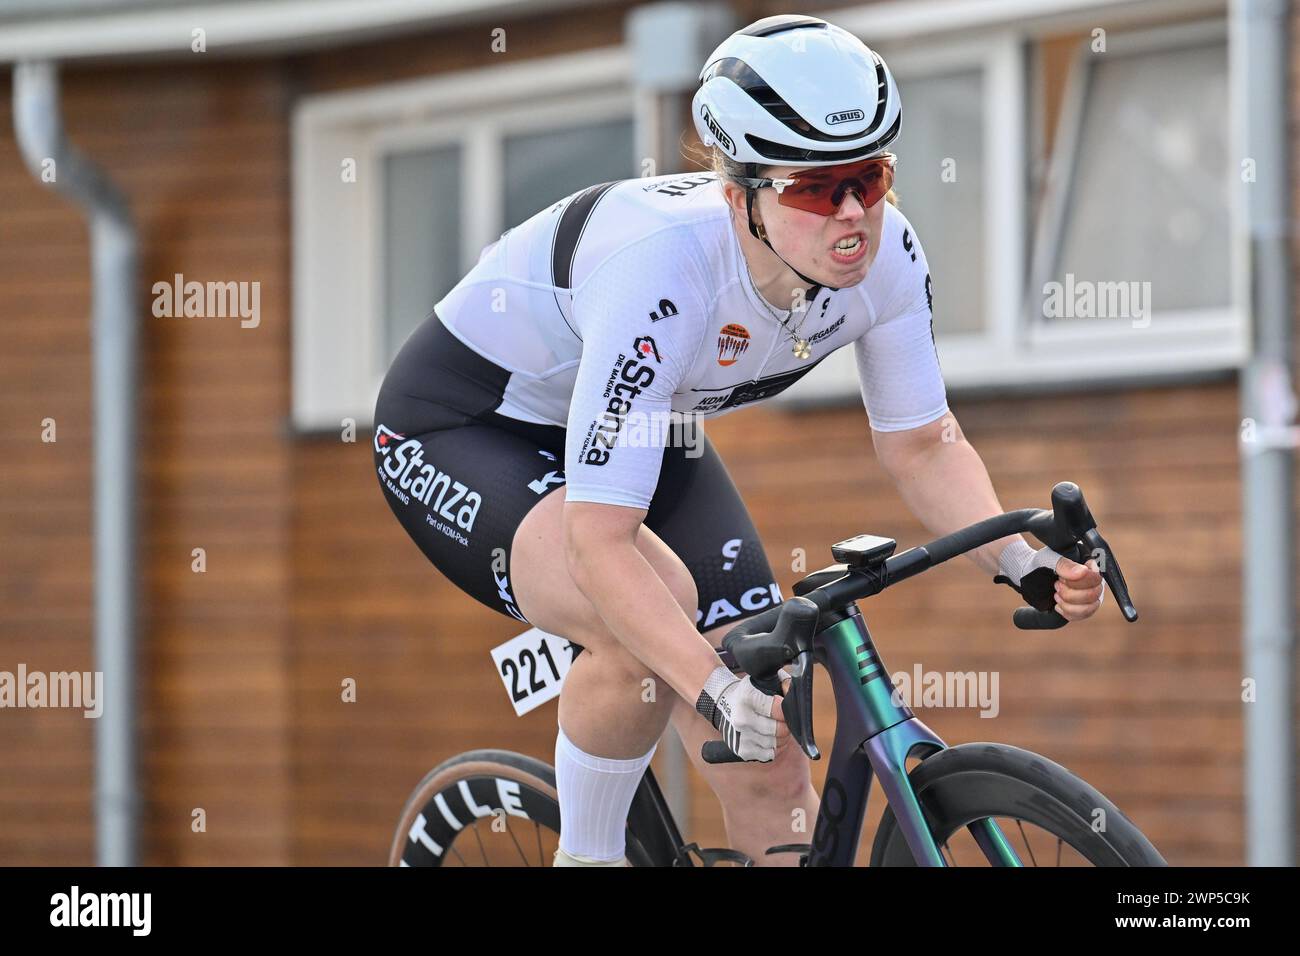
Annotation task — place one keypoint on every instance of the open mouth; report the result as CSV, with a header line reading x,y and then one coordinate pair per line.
x,y
850,249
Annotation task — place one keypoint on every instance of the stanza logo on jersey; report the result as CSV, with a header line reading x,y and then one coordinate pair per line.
x,y
626,381
406,475
733,340
645,347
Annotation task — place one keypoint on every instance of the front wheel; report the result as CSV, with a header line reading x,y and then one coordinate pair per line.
x,y
485,808
1049,816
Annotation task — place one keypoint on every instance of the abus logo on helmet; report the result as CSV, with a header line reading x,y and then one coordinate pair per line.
x,y
844,116
718,132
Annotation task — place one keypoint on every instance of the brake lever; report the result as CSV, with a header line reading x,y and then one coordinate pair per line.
x,y
800,616
1111,573
795,625
1071,530
796,706
1074,517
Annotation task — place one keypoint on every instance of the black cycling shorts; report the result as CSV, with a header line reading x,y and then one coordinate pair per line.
x,y
460,478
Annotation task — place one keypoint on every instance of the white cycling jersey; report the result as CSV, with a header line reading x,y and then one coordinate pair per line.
x,y
631,300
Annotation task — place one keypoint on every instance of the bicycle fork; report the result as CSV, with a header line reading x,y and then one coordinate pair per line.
x,y
876,733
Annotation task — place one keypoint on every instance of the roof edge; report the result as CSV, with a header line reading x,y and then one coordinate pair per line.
x,y
246,28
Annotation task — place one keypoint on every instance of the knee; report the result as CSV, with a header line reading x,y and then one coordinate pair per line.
x,y
786,782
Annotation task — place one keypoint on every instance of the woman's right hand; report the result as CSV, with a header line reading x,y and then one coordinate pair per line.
x,y
742,714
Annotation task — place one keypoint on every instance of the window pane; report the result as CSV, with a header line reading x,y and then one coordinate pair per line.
x,y
1149,201
421,237
543,167
940,186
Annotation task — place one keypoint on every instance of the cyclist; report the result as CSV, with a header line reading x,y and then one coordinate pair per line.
x,y
561,359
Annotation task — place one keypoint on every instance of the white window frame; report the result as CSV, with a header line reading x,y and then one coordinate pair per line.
x,y
338,301
967,357
971,358
933,37
1181,339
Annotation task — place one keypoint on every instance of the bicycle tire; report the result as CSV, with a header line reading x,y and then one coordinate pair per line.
x,y
971,781
482,772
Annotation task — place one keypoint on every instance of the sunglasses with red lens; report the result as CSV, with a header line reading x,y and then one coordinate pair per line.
x,y
821,189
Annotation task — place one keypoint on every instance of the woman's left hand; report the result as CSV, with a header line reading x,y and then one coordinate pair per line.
x,y
1079,590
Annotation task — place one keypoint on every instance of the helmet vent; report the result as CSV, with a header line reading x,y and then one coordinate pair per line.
x,y
744,76
770,26
782,155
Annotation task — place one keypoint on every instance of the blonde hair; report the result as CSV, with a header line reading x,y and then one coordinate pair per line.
x,y
729,170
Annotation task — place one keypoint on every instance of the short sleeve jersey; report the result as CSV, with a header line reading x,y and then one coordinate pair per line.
x,y
627,302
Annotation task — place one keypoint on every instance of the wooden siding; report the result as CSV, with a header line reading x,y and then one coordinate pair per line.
x,y
310,581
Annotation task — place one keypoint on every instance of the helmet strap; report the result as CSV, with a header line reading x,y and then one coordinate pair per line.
x,y
760,233
751,170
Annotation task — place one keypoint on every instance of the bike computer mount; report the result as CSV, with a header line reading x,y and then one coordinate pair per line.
x,y
863,551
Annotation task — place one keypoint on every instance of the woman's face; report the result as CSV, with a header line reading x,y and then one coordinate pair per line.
x,y
806,240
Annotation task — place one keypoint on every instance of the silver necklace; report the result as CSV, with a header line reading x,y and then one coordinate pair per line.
x,y
801,347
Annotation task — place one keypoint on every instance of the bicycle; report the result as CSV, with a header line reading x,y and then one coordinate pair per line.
x,y
968,787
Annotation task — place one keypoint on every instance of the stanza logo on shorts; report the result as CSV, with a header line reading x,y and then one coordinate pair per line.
x,y
407,476
733,340
385,438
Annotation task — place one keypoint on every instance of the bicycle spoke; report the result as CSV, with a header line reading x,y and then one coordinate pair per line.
x,y
482,849
1028,848
516,843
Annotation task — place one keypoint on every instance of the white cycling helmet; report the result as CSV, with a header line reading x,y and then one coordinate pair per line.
x,y
796,90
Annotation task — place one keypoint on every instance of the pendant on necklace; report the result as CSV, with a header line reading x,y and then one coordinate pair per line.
x,y
802,349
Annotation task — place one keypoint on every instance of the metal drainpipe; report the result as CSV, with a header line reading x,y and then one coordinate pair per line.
x,y
1260,57
38,126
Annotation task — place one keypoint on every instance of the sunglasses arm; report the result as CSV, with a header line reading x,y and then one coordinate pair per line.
x,y
777,184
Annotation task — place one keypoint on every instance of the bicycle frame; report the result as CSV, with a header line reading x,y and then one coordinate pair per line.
x,y
875,734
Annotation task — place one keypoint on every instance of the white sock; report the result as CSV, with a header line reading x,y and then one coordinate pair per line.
x,y
595,795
